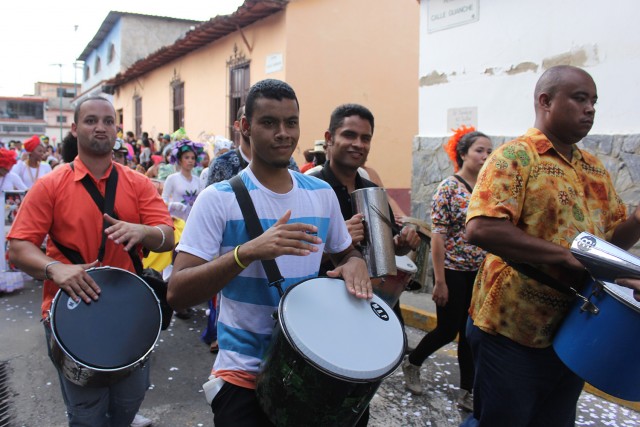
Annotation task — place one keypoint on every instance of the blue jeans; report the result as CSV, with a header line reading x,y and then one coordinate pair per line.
x,y
113,406
518,386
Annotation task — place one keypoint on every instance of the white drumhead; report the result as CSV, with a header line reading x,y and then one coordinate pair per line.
x,y
344,335
405,264
622,293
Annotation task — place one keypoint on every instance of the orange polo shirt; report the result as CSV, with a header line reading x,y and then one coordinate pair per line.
x,y
527,182
59,205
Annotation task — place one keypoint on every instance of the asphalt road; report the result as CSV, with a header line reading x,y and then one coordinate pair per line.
x,y
180,364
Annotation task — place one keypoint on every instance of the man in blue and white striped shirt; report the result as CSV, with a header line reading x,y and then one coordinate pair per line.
x,y
302,219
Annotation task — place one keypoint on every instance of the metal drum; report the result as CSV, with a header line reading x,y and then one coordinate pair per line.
x,y
421,255
100,343
377,248
328,355
601,346
390,288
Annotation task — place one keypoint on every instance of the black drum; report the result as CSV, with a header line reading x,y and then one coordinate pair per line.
x,y
329,354
100,343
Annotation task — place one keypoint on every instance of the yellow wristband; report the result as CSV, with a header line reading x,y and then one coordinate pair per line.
x,y
235,255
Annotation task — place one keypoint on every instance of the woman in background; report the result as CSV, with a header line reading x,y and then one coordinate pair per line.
x,y
455,262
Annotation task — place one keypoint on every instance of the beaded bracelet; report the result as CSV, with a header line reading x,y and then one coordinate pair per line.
x,y
235,255
46,269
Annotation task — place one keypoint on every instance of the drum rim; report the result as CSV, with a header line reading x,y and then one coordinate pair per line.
x,y
287,336
606,287
67,353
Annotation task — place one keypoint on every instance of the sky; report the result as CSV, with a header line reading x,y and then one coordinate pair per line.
x,y
39,35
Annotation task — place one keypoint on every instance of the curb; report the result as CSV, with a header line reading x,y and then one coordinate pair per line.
x,y
427,321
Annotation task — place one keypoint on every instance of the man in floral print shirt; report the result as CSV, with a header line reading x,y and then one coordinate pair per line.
x,y
533,197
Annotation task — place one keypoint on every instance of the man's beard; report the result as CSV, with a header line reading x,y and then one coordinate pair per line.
x,y
280,164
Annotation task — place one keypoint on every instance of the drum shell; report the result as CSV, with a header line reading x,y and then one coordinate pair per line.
x,y
377,248
84,373
602,348
297,387
292,392
390,288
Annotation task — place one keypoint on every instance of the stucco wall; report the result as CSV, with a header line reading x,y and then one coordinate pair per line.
x,y
362,51
495,62
206,81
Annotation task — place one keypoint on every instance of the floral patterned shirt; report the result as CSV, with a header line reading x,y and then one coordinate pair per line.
x,y
448,215
527,182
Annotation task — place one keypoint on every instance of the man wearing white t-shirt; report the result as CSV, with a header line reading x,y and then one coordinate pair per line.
x,y
215,253
34,167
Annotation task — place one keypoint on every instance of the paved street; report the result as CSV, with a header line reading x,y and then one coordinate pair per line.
x,y
180,364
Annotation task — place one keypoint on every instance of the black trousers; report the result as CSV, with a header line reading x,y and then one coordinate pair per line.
x,y
236,406
452,320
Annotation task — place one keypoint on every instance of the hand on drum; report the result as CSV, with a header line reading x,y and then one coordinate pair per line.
x,y
124,233
633,284
355,274
355,226
440,294
282,239
74,280
408,239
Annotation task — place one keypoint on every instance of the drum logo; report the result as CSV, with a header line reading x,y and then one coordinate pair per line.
x,y
586,242
379,311
71,304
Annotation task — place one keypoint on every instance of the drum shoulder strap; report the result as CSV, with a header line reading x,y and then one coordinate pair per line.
x,y
254,229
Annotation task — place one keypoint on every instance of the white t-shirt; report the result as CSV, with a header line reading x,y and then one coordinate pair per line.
x,y
216,226
29,175
180,194
11,181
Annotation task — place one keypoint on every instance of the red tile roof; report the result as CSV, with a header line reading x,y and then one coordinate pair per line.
x,y
216,28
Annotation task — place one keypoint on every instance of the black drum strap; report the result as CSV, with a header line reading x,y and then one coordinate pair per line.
x,y
254,229
105,204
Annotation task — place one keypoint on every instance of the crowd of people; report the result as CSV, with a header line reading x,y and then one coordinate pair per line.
x,y
523,202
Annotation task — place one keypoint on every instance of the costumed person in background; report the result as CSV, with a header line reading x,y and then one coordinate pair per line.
x,y
181,189
33,167
455,262
8,180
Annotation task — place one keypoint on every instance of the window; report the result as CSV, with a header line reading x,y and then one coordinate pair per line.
x,y
97,66
137,119
87,72
61,119
119,118
238,90
178,104
112,53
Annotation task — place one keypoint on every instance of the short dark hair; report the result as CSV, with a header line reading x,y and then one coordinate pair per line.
x,y
270,89
76,112
465,143
69,148
308,155
347,110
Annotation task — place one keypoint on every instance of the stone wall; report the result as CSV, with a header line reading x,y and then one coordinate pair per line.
x,y
620,154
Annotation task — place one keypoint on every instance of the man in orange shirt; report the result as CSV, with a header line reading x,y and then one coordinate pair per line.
x,y
58,205
534,195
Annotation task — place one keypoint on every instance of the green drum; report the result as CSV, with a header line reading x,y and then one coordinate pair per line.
x,y
328,355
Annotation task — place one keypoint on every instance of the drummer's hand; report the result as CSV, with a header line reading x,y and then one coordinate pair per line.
x,y
356,277
440,294
633,284
281,239
572,262
355,226
407,238
124,233
74,280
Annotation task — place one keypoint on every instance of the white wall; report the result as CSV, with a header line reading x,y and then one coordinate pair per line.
x,y
600,36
